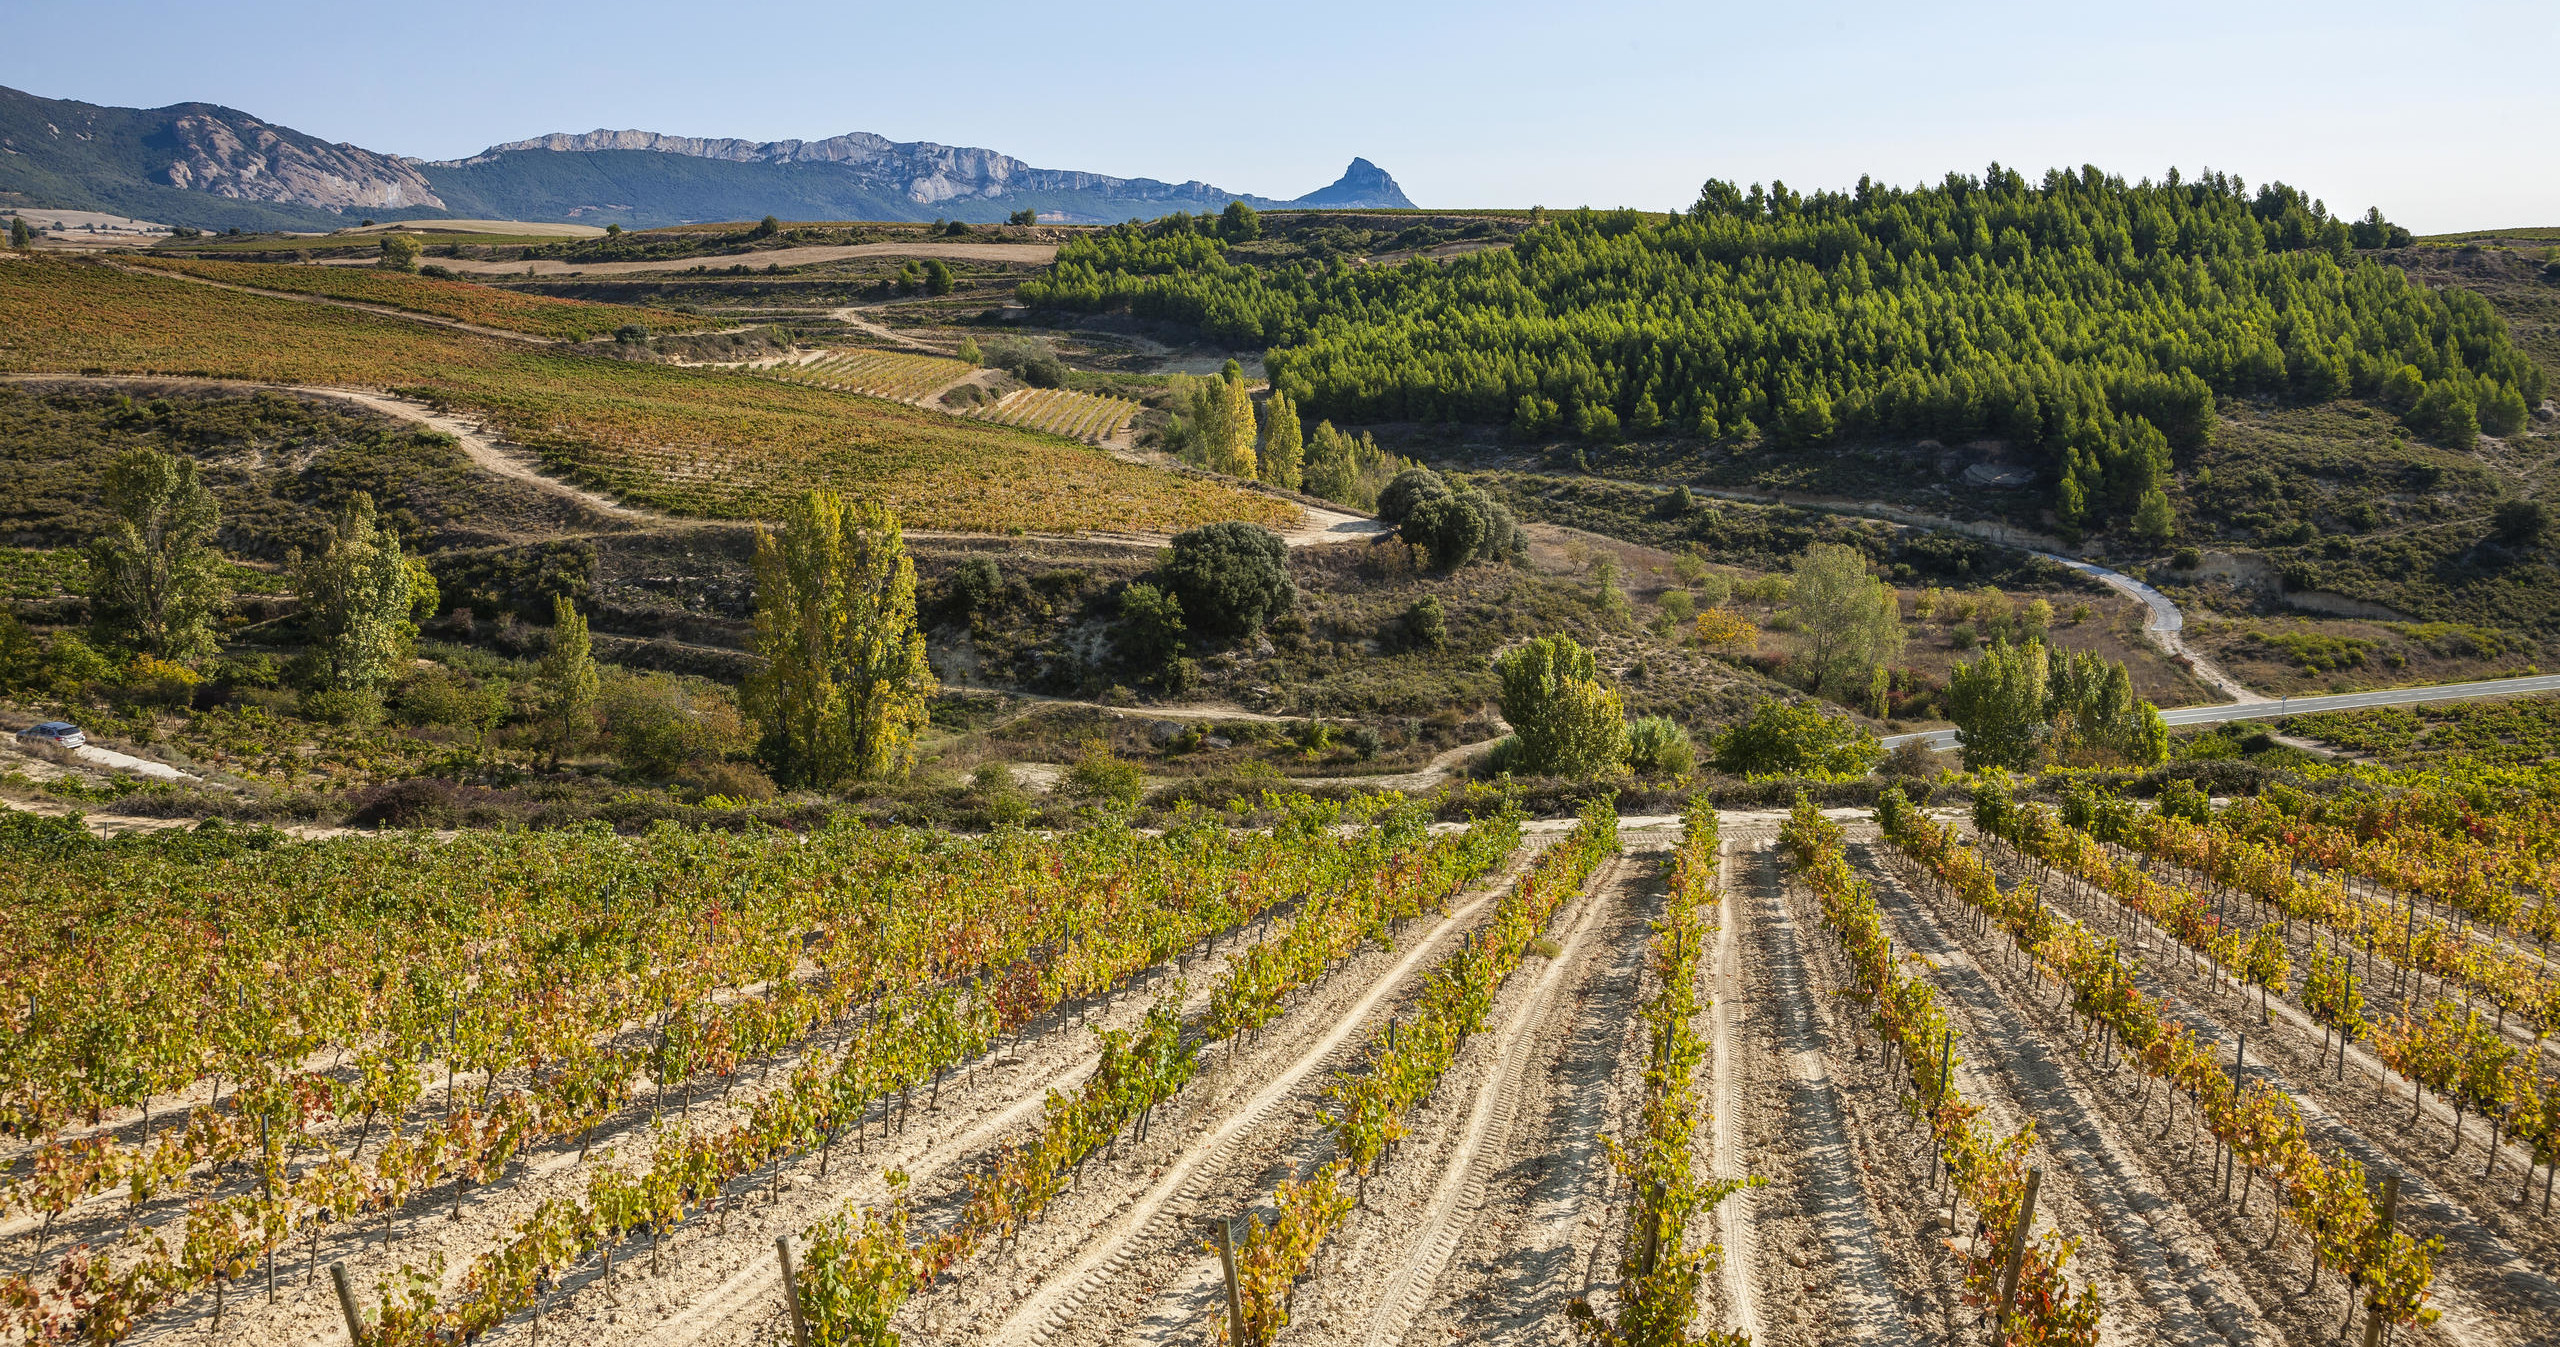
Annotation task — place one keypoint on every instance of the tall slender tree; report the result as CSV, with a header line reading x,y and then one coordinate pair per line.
x,y
567,680
155,580
1283,444
359,594
844,686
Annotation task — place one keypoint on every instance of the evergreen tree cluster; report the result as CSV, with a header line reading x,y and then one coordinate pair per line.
x,y
2091,318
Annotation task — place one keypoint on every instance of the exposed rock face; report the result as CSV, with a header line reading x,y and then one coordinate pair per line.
x,y
1363,185
924,172
248,160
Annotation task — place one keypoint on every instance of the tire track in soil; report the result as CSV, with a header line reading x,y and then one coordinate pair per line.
x,y
2158,1247
1817,1194
2483,1280
1530,1248
1737,1310
1131,1244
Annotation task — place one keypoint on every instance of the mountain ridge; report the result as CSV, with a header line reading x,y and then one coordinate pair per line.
x,y
209,165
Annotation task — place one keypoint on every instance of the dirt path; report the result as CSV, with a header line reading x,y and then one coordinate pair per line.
x,y
1817,1212
1496,1226
856,316
1095,1269
1735,1309
2150,1257
1027,254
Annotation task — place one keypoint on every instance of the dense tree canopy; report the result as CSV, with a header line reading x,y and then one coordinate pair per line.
x,y
2090,317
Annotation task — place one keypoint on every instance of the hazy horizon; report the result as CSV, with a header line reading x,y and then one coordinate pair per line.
x,y
1629,104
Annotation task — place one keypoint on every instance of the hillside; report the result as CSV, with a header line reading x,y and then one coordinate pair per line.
x,y
213,167
2116,366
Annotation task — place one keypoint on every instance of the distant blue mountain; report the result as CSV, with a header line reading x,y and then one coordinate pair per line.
x,y
214,167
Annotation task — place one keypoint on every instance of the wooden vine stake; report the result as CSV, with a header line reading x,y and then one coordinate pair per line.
x,y
1226,1237
2018,1245
791,1291
347,1303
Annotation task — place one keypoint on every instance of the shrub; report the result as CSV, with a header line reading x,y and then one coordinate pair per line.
x,y
1778,738
1657,746
2180,799
1228,578
1148,637
1567,723
974,585
1426,624
656,725
1103,777
1410,488
345,707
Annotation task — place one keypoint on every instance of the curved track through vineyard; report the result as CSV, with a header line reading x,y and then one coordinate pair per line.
x,y
1504,1083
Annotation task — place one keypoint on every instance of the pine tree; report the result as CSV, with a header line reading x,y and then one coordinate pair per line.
x,y
845,685
567,681
1283,446
155,580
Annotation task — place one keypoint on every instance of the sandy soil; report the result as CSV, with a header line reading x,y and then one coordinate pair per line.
x,y
2496,1272
1029,254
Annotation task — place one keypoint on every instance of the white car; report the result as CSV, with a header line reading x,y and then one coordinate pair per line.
x,y
59,733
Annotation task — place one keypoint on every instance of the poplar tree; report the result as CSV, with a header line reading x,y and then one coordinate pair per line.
x,y
844,686
1234,454
1851,619
567,680
359,594
1283,445
155,581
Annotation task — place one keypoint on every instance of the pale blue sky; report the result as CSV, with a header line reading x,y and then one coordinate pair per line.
x,y
2441,114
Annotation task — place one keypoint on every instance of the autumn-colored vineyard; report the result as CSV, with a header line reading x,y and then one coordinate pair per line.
x,y
705,442
461,301
495,994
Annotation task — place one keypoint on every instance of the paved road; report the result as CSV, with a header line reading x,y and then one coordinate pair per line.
x,y
2265,709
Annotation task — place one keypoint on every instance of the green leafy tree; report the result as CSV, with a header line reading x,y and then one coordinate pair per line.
x,y
1148,638
20,237
844,686
1283,444
1026,216
1851,620
1426,624
1228,578
937,276
2523,523
1778,738
155,580
1564,720
1239,223
2153,521
359,596
400,252
566,681
1998,704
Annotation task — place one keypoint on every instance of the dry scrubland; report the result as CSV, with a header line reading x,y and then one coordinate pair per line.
x,y
461,301
688,441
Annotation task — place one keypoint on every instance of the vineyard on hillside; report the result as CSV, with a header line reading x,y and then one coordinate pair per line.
x,y
901,376
462,301
700,442
1078,416
2096,1071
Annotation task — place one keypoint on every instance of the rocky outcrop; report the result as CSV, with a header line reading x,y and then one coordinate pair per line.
x,y
924,172
1363,186
248,160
